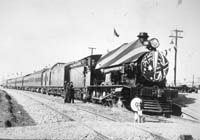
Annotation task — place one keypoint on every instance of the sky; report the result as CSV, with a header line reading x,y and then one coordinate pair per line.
x,y
39,33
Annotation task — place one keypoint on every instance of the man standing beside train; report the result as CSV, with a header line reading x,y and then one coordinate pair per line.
x,y
66,88
71,93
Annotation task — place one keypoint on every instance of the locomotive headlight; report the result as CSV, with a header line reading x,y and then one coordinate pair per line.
x,y
154,43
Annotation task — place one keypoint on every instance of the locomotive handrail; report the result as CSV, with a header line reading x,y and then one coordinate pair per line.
x,y
107,86
103,97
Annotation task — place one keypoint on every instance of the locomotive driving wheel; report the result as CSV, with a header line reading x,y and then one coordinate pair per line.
x,y
110,101
107,102
93,101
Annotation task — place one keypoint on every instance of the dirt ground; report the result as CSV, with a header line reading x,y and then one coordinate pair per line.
x,y
190,103
12,114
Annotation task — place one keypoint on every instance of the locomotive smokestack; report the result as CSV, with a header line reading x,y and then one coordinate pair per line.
x,y
143,37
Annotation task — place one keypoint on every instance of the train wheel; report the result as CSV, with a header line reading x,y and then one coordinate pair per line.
x,y
42,91
93,101
110,103
105,103
167,115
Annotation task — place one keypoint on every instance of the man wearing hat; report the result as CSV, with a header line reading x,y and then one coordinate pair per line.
x,y
66,88
71,92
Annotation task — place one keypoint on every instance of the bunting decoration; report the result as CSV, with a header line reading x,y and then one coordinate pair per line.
x,y
167,51
126,53
154,66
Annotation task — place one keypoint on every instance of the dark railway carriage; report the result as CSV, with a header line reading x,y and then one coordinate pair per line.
x,y
56,79
33,81
26,82
8,83
11,83
19,82
4,83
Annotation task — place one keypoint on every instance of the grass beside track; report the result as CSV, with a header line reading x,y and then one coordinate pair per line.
x,y
12,114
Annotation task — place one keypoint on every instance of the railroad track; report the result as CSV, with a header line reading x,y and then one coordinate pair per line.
x,y
153,118
115,120
156,119
89,110
187,117
190,116
99,136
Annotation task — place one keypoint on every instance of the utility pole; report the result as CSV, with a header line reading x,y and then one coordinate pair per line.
x,y
92,50
91,56
90,65
193,80
176,36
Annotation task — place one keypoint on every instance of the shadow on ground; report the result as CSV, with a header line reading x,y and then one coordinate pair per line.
x,y
180,102
12,114
183,100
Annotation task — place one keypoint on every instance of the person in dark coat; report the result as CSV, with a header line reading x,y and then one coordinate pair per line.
x,y
71,93
66,88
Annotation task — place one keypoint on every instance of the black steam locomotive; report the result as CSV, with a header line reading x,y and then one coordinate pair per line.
x,y
134,69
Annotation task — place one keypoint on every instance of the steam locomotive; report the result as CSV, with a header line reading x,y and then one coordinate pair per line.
x,y
134,69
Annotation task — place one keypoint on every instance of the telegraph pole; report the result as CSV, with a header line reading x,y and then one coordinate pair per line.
x,y
193,80
90,63
91,56
176,36
92,50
